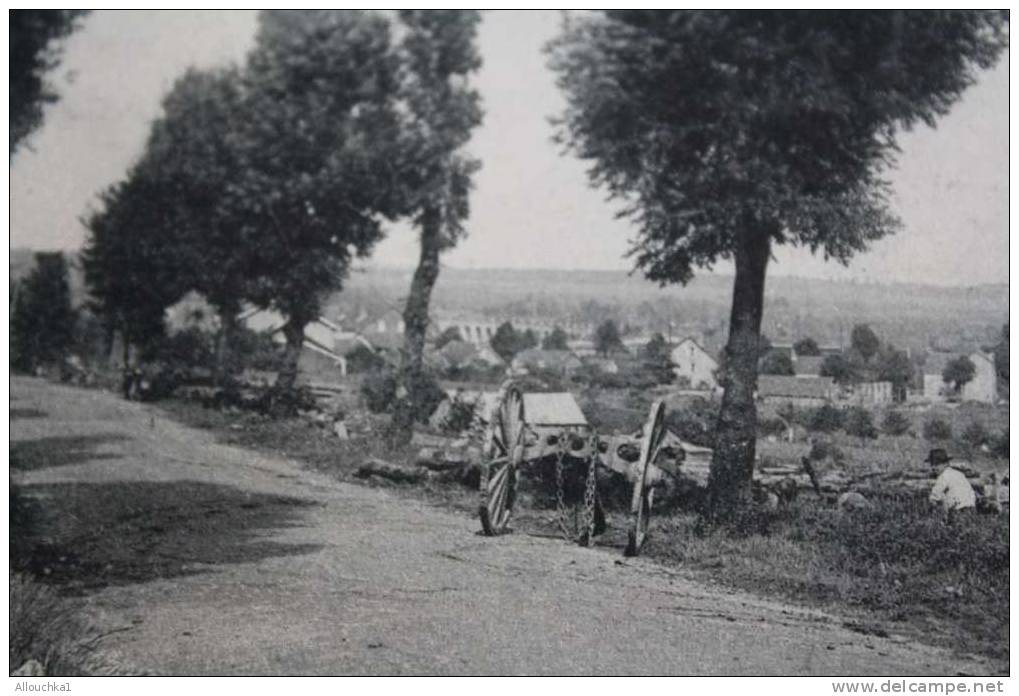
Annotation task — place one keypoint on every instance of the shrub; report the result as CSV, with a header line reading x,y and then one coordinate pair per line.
x,y
285,403
45,629
895,423
825,419
460,415
937,429
426,395
859,423
254,350
974,435
999,445
191,347
379,390
770,426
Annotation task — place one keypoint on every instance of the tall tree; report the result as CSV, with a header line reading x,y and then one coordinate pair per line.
x,y
132,272
448,336
806,346
864,341
606,338
959,372
193,153
839,368
893,365
556,340
35,49
777,362
726,133
507,341
316,147
656,358
438,55
42,323
1001,362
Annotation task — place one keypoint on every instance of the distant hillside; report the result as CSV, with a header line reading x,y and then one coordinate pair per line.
x,y
909,315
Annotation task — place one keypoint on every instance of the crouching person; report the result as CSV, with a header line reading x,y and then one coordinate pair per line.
x,y
951,490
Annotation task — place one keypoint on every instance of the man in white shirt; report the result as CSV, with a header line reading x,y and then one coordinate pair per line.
x,y
951,490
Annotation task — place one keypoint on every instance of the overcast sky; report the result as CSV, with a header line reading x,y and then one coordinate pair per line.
x,y
532,207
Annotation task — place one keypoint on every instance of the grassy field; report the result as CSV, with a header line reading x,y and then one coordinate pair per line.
x,y
898,568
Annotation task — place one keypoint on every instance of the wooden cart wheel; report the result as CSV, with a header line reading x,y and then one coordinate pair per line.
x,y
652,437
502,453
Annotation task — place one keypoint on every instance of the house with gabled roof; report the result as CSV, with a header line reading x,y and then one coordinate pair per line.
x,y
321,337
691,362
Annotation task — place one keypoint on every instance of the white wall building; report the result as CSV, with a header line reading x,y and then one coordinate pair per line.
x,y
692,362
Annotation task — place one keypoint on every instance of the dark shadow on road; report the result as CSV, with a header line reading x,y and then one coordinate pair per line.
x,y
29,455
85,536
17,413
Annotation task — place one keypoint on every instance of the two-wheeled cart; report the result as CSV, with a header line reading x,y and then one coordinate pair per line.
x,y
513,442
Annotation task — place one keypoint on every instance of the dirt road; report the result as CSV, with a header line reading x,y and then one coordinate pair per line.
x,y
207,559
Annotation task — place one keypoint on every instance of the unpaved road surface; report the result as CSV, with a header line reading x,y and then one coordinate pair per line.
x,y
201,558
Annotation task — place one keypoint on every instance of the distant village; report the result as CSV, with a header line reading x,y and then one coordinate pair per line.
x,y
460,348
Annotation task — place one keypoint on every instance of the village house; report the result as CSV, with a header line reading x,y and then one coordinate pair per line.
x,y
983,387
319,359
872,394
694,364
582,347
808,365
798,391
461,355
561,362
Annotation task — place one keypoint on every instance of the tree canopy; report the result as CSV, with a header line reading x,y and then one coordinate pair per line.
x,y
893,365
507,341
807,346
703,121
777,363
34,36
656,359
316,147
42,321
958,372
133,273
864,341
607,339
556,340
724,133
838,368
448,336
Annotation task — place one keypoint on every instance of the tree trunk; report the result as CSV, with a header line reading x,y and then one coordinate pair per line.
x,y
732,465
293,331
415,319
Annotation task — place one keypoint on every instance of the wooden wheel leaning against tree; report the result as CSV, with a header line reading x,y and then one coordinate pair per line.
x,y
501,454
652,437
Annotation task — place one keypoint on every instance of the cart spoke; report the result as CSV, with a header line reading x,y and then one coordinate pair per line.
x,y
496,479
